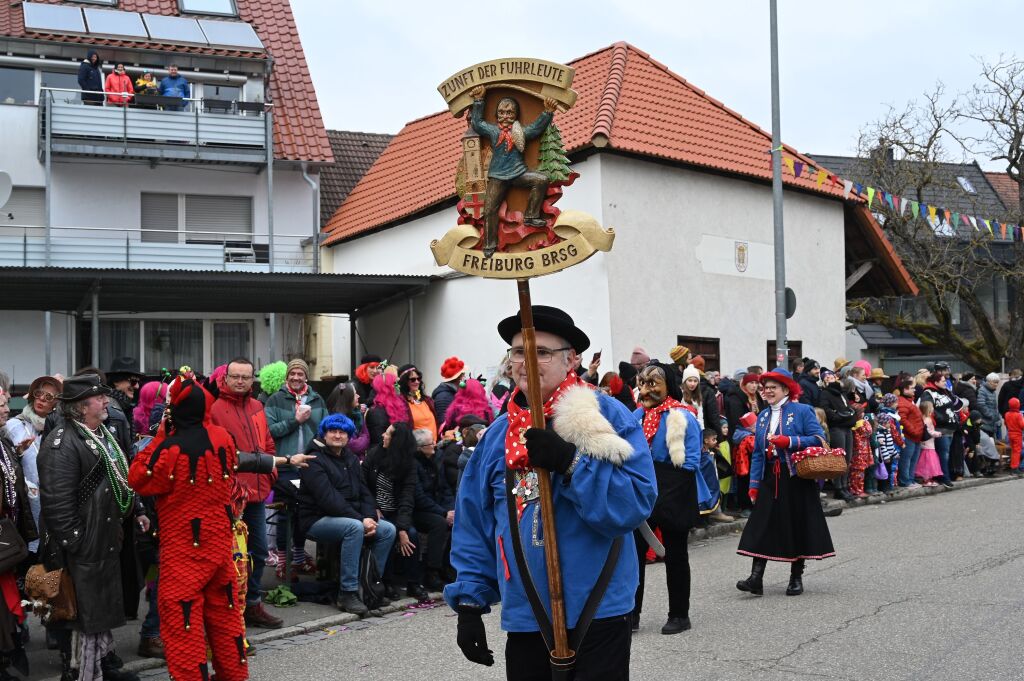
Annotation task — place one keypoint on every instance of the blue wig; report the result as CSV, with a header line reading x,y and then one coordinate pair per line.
x,y
338,422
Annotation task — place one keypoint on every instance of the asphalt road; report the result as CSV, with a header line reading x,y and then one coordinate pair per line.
x,y
928,588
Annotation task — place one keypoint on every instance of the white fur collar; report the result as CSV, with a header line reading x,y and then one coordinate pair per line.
x,y
578,419
675,436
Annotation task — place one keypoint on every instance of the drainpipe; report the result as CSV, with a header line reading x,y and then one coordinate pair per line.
x,y
269,120
49,221
316,216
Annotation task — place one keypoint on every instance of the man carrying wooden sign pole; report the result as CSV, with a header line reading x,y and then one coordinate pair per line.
x,y
556,486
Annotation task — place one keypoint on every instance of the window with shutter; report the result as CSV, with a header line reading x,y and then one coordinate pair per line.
x,y
223,219
160,218
25,208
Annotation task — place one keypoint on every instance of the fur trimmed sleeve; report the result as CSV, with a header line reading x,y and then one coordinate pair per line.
x,y
578,419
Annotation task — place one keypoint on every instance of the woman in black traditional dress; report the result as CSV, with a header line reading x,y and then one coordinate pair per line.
x,y
787,523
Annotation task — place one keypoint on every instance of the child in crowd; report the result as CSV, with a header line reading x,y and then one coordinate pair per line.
x,y
743,441
928,467
1014,421
863,457
888,436
823,420
711,508
725,449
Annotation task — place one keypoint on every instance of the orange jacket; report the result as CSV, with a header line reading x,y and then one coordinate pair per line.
x,y
117,83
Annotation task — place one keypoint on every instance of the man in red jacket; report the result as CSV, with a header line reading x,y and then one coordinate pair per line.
x,y
242,416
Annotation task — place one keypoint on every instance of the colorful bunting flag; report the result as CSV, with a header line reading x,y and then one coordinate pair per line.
x,y
914,207
871,195
989,226
788,162
974,223
931,215
955,219
1001,228
821,176
859,188
798,168
847,186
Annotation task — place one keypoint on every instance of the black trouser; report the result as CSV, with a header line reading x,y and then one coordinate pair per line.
x,y
603,654
956,454
497,190
842,438
435,528
677,572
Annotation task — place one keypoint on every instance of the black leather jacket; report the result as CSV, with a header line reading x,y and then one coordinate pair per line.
x,y
82,528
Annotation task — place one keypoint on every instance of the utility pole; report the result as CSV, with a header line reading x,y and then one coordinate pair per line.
x,y
781,349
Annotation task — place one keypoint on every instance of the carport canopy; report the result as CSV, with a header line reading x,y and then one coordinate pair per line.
x,y
71,289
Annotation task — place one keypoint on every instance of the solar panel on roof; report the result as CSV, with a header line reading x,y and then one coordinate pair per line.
x,y
174,29
231,33
45,18
114,23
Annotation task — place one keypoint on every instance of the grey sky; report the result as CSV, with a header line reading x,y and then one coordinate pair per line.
x,y
376,64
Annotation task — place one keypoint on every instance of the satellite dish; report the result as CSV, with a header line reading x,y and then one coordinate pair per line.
x,y
5,188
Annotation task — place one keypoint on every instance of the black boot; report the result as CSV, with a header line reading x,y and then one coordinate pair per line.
x,y
111,673
755,582
796,581
66,672
676,625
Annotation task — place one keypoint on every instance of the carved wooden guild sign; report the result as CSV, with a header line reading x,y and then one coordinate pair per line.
x,y
512,172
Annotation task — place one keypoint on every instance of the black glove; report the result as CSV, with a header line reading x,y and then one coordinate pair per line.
x,y
472,638
547,450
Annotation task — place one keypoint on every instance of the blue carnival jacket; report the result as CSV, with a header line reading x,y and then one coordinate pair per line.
x,y
799,423
611,491
693,442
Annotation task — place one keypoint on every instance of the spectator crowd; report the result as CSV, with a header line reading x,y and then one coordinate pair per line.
x,y
370,471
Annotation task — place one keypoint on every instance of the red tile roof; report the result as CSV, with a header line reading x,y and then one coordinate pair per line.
x,y
627,101
1007,188
354,153
299,132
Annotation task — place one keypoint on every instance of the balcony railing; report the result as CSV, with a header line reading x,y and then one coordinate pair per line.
x,y
210,130
153,249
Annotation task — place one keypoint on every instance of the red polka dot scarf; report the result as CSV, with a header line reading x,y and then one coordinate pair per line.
x,y
652,417
519,420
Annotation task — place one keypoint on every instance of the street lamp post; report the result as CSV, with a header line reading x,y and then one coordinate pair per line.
x,y
781,349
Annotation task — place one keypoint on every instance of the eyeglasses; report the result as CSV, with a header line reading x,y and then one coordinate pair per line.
x,y
544,355
44,396
133,381
239,377
769,386
414,379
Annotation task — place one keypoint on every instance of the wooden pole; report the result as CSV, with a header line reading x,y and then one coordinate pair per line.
x,y
547,508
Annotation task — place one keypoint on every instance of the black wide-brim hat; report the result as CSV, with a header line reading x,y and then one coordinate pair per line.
x,y
124,366
549,319
81,387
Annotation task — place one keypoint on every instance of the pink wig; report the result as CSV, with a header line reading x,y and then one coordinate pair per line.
x,y
389,400
148,396
472,399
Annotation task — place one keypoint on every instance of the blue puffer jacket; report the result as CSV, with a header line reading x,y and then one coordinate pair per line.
x,y
610,492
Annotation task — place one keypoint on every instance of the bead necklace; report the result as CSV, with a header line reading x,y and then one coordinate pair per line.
x,y
10,479
113,461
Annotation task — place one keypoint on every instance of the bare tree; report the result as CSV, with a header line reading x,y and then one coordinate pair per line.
x,y
955,266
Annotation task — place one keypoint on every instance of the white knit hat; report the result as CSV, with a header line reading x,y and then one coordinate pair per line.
x,y
691,372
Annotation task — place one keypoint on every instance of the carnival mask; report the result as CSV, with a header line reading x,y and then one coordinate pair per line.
x,y
653,389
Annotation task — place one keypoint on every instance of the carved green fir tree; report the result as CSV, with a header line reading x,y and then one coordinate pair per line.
x,y
553,161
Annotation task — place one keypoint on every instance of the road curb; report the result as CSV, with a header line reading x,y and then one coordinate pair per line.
x,y
900,494
267,635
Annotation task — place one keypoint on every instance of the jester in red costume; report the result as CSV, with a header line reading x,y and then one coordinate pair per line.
x,y
189,468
